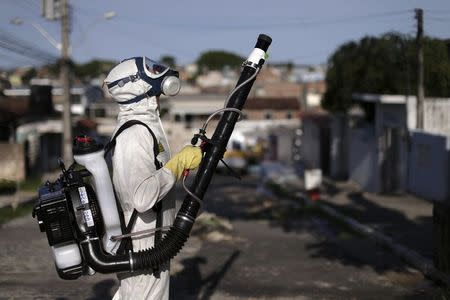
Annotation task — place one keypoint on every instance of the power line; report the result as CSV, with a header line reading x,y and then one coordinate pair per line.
x,y
25,9
35,4
285,24
29,5
23,52
438,19
14,59
439,12
13,44
17,43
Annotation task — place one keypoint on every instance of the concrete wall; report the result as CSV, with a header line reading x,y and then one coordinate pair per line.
x,y
12,162
436,118
310,148
393,116
285,145
428,173
339,147
363,158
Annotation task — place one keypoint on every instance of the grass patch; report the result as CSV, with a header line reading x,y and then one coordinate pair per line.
x,y
7,187
30,185
8,213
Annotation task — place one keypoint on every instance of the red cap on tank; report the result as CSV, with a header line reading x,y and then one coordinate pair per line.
x,y
85,144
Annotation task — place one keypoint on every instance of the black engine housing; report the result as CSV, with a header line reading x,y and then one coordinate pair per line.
x,y
67,211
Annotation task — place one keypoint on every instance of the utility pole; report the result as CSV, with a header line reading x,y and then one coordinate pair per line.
x,y
65,79
420,88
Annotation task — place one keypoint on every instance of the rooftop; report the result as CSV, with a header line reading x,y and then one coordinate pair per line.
x,y
288,103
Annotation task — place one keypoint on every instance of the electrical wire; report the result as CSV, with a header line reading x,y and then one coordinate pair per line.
x,y
209,120
24,48
25,52
218,112
189,192
241,85
438,19
286,23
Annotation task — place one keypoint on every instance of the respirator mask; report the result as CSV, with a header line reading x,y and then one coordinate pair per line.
x,y
160,78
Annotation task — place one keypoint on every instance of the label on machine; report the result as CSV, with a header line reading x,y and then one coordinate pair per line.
x,y
83,195
88,218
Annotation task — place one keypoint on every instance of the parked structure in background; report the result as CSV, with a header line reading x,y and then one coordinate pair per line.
x,y
31,119
81,97
315,140
270,120
263,117
306,83
377,145
12,163
339,140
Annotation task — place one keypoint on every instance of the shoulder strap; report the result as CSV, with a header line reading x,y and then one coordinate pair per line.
x,y
126,243
112,143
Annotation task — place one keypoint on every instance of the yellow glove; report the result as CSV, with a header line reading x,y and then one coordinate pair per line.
x,y
187,159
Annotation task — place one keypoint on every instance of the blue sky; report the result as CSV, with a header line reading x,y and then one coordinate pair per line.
x,y
302,31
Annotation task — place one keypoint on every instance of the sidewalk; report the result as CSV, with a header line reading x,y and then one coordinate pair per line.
x,y
405,218
401,223
16,199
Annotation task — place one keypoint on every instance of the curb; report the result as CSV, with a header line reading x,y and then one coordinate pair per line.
x,y
424,265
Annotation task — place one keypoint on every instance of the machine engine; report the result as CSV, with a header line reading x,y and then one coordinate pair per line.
x,y
67,211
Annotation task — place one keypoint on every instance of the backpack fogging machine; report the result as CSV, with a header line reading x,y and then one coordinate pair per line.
x,y
80,220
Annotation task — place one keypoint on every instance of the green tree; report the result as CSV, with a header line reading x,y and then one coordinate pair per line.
x,y
217,59
168,60
385,65
93,68
30,74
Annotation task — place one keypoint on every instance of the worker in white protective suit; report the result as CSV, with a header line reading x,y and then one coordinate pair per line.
x,y
136,84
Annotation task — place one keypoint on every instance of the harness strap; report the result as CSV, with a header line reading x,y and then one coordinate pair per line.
x,y
157,208
122,81
126,125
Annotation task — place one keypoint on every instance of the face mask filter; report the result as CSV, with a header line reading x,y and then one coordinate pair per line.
x,y
162,79
171,84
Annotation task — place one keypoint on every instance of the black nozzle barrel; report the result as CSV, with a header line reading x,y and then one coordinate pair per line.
x,y
263,42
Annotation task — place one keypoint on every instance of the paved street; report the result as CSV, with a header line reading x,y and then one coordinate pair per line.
x,y
276,250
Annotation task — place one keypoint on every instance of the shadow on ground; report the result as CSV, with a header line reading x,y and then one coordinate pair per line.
x,y
190,284
103,289
239,200
415,234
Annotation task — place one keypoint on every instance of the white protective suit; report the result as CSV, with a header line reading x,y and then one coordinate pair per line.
x,y
139,185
